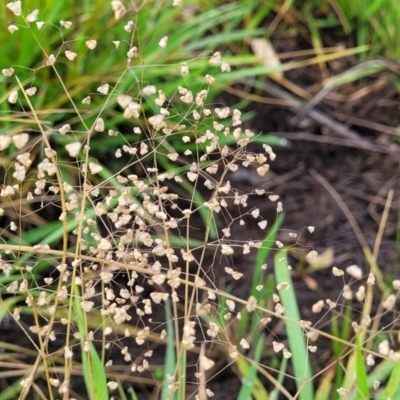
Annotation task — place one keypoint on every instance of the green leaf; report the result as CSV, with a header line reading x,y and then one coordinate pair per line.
x,y
250,384
12,391
170,360
295,334
258,274
7,305
324,390
94,373
393,383
361,373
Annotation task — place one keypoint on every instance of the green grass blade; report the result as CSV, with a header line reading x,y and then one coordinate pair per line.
x,y
380,373
133,394
393,383
338,347
170,360
266,247
121,391
324,391
8,304
350,375
11,392
280,379
182,366
362,378
297,341
94,373
248,384
224,37
177,241
99,374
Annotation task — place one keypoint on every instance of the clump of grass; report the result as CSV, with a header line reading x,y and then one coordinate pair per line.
x,y
118,211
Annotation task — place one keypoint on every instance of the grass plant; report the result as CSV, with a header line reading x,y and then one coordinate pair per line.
x,y
117,213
